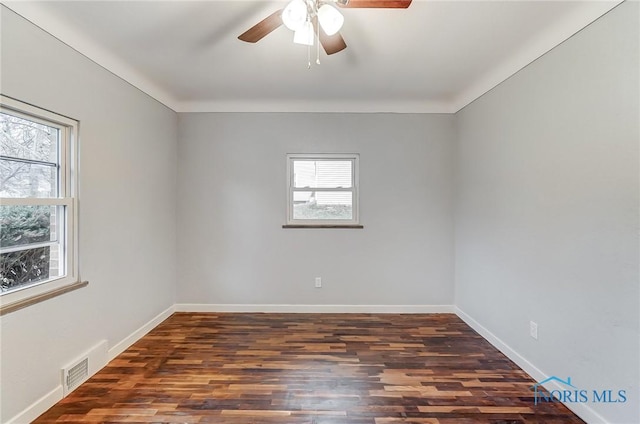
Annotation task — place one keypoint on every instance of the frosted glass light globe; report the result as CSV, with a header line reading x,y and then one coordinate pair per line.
x,y
304,34
295,14
330,19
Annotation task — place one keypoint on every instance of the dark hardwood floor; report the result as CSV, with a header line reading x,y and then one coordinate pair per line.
x,y
309,368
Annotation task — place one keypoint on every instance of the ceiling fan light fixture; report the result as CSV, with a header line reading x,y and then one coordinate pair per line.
x,y
331,20
294,15
304,35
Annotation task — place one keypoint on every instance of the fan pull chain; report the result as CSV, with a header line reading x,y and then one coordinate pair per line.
x,y
318,46
309,57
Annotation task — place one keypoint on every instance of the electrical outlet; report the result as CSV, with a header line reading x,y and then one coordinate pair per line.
x,y
318,282
533,330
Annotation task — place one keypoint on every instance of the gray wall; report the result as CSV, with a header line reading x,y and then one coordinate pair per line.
x,y
232,248
546,210
127,212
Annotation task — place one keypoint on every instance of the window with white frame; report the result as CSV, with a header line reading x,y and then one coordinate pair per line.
x,y
38,225
322,189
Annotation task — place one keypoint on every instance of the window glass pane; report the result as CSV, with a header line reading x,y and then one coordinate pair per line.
x,y
25,139
25,267
322,173
22,225
21,179
325,205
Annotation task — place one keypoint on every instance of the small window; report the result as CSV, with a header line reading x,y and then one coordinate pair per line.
x,y
37,200
322,189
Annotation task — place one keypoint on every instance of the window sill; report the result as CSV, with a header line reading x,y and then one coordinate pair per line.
x,y
41,297
345,226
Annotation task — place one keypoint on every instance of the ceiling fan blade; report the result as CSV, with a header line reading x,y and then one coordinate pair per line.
x,y
331,43
373,4
262,28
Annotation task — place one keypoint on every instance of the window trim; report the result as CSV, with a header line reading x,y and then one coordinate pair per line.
x,y
67,197
325,223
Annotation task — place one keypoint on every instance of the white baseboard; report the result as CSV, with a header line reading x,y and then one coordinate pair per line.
x,y
344,309
137,335
38,407
580,409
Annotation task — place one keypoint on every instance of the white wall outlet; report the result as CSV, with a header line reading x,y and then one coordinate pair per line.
x,y
533,330
318,282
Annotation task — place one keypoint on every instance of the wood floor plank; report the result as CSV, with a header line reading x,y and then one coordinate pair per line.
x,y
309,369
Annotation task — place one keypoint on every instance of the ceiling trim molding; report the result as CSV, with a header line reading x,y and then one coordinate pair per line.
x,y
318,106
552,37
38,16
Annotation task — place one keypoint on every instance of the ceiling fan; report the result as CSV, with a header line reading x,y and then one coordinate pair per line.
x,y
315,18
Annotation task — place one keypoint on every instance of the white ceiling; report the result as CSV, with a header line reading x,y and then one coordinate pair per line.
x,y
435,56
